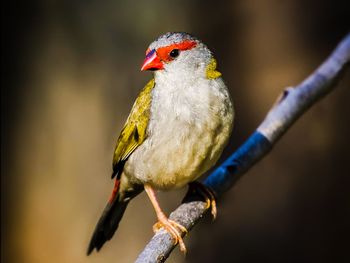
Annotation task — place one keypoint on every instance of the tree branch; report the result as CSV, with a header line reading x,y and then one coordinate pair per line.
x,y
288,108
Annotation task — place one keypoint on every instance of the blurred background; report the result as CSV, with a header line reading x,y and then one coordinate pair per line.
x,y
70,74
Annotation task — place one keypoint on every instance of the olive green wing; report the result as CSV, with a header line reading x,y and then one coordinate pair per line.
x,y
135,129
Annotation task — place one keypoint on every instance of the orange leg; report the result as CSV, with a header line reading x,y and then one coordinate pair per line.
x,y
171,226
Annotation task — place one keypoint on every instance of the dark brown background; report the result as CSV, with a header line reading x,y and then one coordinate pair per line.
x,y
70,75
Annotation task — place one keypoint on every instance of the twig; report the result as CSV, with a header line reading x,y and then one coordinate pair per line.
x,y
289,107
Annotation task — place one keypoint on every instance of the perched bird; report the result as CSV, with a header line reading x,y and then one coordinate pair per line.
x,y
177,130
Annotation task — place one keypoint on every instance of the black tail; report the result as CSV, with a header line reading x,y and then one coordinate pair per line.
x,y
108,223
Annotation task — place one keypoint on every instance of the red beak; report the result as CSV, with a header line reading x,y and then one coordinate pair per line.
x,y
152,62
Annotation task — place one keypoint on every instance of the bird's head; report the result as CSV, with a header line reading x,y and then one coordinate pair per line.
x,y
176,53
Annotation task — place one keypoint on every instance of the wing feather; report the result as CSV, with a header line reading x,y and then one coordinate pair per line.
x,y
134,131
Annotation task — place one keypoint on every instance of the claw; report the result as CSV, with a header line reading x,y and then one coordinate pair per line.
x,y
209,196
173,229
159,225
181,227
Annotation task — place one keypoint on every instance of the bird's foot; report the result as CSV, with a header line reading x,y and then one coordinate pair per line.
x,y
174,229
208,194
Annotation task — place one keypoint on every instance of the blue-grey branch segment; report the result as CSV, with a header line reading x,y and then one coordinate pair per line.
x,y
291,104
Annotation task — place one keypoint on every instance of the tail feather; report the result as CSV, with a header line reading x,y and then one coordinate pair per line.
x,y
108,223
112,214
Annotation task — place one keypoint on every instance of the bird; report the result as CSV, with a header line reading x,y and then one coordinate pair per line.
x,y
176,131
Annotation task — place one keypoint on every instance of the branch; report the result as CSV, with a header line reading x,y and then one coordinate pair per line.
x,y
292,103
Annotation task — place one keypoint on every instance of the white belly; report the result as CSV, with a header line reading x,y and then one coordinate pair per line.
x,y
186,135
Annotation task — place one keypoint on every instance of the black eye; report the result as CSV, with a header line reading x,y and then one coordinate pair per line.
x,y
174,53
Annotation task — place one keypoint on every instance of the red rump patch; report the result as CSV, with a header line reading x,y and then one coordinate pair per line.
x,y
115,190
164,52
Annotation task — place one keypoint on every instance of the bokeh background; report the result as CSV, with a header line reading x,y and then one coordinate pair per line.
x,y
70,73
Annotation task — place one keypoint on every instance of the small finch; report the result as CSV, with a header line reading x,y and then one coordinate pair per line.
x,y
176,131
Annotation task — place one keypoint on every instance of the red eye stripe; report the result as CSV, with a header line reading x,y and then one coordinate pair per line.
x,y
163,52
